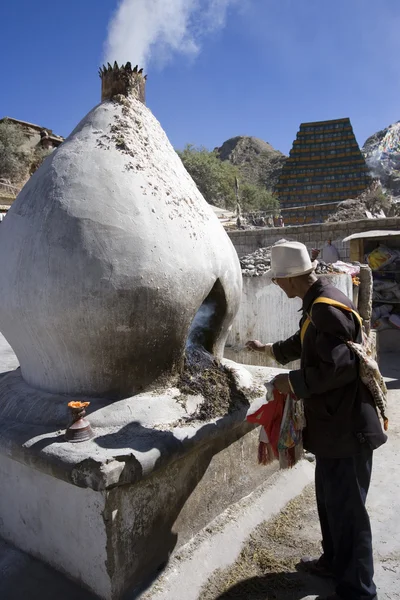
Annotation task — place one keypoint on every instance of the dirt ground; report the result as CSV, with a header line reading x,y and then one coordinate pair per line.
x,y
266,568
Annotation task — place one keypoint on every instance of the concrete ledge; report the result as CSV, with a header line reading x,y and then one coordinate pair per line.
x,y
110,512
109,541
133,437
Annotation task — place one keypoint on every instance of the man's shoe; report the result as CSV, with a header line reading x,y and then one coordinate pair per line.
x,y
316,566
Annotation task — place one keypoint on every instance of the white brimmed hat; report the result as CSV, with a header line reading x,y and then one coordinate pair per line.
x,y
290,259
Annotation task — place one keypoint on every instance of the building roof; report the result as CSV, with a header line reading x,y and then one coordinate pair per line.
x,y
33,126
372,234
328,122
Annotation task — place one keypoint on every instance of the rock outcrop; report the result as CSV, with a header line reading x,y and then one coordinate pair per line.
x,y
258,161
372,203
382,154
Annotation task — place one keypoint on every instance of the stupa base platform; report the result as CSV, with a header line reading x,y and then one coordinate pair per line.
x,y
109,512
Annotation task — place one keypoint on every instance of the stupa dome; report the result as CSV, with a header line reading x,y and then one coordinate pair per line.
x,y
108,253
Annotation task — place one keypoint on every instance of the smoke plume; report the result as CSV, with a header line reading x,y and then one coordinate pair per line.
x,y
143,31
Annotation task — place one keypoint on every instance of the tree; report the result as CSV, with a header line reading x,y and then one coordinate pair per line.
x,y
37,157
376,199
14,158
214,178
255,198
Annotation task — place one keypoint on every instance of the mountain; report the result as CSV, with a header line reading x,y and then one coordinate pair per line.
x,y
382,154
258,161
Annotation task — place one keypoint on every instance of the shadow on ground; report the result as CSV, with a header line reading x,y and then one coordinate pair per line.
x,y
277,586
25,578
389,364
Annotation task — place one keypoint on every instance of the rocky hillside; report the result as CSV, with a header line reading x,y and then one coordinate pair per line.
x,y
382,153
372,203
258,161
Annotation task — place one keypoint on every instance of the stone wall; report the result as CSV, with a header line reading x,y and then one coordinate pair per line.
x,y
313,236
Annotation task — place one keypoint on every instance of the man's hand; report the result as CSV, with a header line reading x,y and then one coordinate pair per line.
x,y
255,345
281,383
315,253
259,347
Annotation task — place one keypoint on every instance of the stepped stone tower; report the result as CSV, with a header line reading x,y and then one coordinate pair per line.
x,y
325,166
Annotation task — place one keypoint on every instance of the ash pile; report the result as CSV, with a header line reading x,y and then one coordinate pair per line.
x,y
205,376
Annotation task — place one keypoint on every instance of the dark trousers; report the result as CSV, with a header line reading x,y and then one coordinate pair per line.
x,y
341,487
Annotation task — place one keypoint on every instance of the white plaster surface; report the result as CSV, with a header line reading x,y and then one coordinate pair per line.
x,y
110,253
61,523
8,360
267,314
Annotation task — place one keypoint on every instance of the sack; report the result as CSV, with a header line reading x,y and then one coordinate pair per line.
x,y
371,376
369,371
381,257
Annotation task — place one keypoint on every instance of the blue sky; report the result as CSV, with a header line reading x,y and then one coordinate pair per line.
x,y
267,67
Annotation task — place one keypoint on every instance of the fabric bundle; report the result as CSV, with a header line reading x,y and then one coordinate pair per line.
x,y
282,422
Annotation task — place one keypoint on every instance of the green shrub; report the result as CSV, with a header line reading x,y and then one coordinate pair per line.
x,y
216,181
14,159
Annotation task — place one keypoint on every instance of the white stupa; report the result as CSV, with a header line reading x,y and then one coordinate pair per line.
x,y
110,250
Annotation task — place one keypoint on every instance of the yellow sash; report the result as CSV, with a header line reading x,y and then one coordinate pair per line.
x,y
323,300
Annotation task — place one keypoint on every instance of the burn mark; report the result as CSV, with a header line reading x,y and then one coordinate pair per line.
x,y
203,374
207,323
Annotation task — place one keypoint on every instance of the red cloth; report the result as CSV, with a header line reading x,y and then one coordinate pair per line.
x,y
270,417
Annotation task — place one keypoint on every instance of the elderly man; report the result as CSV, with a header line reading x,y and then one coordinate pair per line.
x,y
342,424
